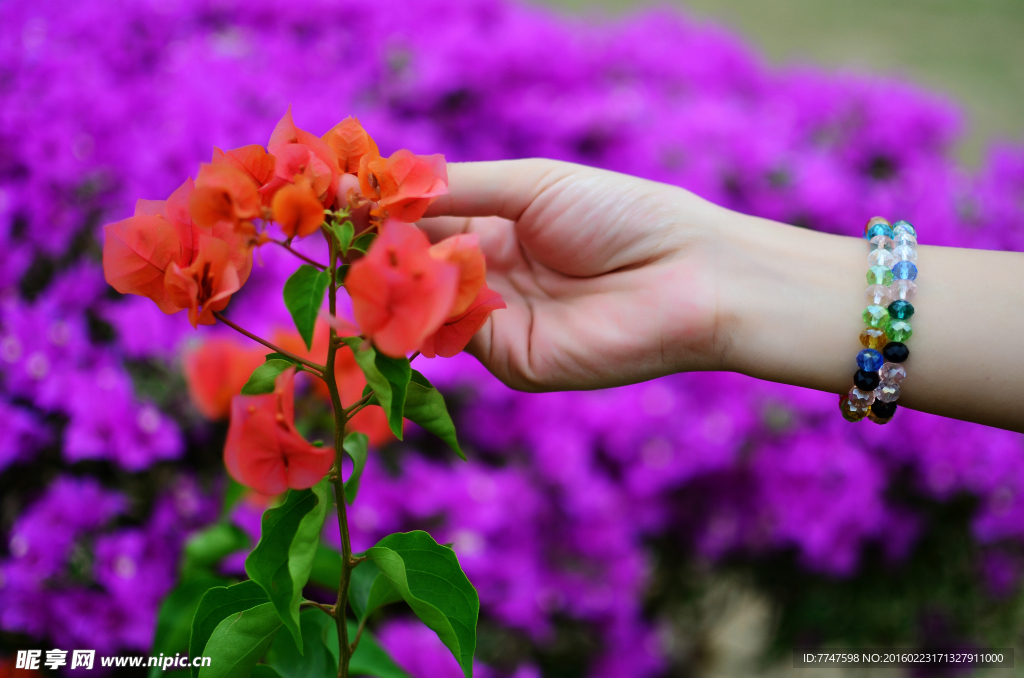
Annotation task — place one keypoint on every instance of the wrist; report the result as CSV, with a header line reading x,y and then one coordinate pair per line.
x,y
789,302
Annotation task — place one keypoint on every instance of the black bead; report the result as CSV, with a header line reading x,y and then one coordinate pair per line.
x,y
866,381
895,352
883,410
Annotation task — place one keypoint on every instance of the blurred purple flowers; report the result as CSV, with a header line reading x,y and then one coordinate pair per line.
x,y
105,102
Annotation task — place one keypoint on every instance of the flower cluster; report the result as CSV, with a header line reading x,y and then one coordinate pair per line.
x,y
554,517
194,250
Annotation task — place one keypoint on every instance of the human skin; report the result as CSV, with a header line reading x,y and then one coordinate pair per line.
x,y
610,280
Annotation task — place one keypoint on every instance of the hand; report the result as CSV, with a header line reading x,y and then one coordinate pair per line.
x,y
609,279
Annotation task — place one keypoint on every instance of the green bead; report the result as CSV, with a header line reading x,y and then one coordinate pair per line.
x,y
899,330
901,310
877,316
879,275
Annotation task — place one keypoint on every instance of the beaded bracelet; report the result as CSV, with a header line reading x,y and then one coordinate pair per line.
x,y
892,257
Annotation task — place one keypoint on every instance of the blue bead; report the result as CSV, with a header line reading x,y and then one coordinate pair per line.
x,y
870,360
904,270
878,229
905,227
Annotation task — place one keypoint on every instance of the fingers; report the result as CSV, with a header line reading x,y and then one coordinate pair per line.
x,y
439,228
503,188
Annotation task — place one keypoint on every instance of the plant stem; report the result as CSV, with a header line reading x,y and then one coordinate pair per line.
x,y
326,609
359,634
319,369
299,254
340,420
358,405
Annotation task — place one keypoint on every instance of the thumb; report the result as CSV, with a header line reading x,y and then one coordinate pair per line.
x,y
502,188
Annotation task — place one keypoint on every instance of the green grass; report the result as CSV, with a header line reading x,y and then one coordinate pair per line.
x,y
970,50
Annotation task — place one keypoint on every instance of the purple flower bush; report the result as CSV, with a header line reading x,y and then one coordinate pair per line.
x,y
107,471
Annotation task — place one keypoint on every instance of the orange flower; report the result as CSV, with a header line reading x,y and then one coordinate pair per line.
x,y
456,332
299,153
474,300
463,251
224,193
207,284
240,243
136,254
351,381
297,209
405,184
401,294
252,159
139,251
175,210
350,143
216,371
264,451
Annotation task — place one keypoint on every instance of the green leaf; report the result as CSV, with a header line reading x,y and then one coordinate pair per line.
x,y
264,671
355,445
326,570
315,661
342,234
283,559
342,273
303,295
174,621
206,548
345,233
218,604
365,581
382,592
398,373
429,578
239,641
359,584
368,589
363,242
373,399
281,356
263,377
388,377
425,406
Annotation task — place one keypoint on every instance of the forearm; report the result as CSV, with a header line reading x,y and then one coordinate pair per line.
x,y
790,303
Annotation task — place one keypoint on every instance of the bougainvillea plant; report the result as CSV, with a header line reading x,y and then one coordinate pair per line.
x,y
408,298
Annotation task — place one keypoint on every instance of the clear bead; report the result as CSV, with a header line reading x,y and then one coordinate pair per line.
x,y
882,242
887,392
879,295
903,289
881,257
860,400
892,373
904,239
903,226
905,253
